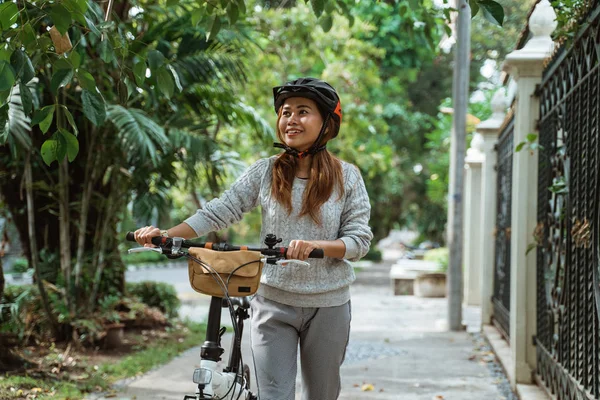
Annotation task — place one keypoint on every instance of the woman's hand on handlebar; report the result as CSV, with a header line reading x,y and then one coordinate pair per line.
x,y
144,235
300,249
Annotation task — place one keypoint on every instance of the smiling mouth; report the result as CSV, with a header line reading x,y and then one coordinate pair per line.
x,y
293,132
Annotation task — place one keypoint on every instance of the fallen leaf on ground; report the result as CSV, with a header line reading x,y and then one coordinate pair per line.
x,y
438,397
367,387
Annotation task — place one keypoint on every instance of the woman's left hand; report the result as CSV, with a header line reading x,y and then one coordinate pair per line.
x,y
300,249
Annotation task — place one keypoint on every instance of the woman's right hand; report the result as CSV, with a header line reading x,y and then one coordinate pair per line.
x,y
144,235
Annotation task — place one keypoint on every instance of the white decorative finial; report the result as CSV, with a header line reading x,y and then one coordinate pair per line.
x,y
477,142
499,102
475,152
541,25
498,112
543,20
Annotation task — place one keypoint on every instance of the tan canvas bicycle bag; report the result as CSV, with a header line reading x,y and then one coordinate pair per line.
x,y
243,281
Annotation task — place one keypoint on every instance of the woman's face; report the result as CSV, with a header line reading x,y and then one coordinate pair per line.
x,y
300,123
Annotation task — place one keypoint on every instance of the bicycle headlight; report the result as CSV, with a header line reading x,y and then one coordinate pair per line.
x,y
202,376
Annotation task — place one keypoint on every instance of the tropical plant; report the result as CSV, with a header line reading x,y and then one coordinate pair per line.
x,y
161,88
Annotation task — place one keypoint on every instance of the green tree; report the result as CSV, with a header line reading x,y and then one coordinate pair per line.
x,y
161,86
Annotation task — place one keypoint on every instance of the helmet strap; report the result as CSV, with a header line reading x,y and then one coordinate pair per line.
x,y
314,149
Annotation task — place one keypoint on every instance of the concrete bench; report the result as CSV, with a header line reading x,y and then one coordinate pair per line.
x,y
404,272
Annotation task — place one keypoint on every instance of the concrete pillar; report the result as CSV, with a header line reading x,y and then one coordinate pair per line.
x,y
472,215
489,131
526,66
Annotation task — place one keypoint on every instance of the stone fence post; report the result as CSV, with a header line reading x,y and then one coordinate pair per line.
x,y
526,66
489,131
472,215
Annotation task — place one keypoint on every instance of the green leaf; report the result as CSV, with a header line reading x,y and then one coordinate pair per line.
x,y
242,5
86,80
492,11
532,137
233,12
171,3
72,144
17,61
139,72
70,119
43,117
106,51
61,78
155,60
474,8
92,27
79,6
4,124
215,28
48,150
123,92
61,18
7,76
326,22
196,17
26,98
75,59
520,146
530,247
9,14
27,34
175,78
62,63
165,82
94,107
318,6
28,70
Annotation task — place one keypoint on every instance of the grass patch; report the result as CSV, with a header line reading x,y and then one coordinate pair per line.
x,y
62,373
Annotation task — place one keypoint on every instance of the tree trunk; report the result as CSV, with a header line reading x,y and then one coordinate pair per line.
x,y
33,246
90,176
2,281
64,221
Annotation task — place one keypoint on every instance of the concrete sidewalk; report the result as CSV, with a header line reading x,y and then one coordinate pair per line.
x,y
399,349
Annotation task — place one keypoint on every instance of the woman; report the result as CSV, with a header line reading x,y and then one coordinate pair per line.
x,y
311,200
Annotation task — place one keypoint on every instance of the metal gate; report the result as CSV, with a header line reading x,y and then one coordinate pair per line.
x,y
568,290
501,296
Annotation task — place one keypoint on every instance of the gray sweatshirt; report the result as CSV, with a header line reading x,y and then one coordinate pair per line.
x,y
326,282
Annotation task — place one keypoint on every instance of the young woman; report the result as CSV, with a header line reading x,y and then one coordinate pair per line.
x,y
311,200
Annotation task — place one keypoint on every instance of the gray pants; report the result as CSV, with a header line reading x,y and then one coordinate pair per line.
x,y
323,334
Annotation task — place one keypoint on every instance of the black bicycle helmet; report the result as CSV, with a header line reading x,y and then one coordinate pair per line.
x,y
315,89
321,93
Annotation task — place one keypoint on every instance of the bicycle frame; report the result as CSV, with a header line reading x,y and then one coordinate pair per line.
x,y
229,384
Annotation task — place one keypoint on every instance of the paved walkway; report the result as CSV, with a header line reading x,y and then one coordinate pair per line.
x,y
399,349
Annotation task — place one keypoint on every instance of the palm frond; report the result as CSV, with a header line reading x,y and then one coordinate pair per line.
x,y
17,125
139,132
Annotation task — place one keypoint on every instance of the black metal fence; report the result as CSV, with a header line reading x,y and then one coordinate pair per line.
x,y
568,267
501,296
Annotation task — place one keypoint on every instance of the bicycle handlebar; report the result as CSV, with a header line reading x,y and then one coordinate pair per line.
x,y
279,252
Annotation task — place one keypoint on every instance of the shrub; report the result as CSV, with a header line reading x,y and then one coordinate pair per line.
x,y
439,255
156,294
20,265
374,254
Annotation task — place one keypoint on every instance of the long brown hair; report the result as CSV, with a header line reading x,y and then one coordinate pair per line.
x,y
325,175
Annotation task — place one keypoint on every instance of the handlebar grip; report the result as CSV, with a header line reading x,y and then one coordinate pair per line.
x,y
156,240
317,253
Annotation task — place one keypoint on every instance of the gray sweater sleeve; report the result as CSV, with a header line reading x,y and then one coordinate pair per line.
x,y
354,229
229,208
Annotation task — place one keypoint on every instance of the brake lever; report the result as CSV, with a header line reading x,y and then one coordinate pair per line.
x,y
143,249
291,260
